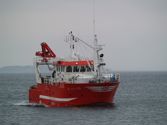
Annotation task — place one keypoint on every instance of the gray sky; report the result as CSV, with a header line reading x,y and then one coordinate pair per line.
x,y
134,31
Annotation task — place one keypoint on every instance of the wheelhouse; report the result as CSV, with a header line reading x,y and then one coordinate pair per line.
x,y
75,66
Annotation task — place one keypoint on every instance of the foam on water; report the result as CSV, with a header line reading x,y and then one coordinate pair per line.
x,y
26,103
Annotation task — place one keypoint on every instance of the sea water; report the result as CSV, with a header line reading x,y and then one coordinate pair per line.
x,y
141,99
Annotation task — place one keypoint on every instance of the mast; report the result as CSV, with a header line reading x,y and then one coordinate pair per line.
x,y
95,43
97,57
94,40
94,23
72,40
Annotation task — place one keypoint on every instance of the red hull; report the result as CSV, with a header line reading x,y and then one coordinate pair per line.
x,y
63,94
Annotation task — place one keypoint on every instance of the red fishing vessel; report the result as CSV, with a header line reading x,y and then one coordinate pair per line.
x,y
73,81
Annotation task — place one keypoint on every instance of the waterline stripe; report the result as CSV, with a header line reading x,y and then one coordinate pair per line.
x,y
56,99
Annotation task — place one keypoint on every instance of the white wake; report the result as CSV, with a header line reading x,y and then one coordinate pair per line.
x,y
26,103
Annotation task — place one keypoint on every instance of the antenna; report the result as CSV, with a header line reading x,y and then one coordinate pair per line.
x,y
95,51
94,17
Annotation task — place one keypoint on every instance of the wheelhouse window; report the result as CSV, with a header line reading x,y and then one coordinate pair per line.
x,y
76,69
58,68
92,67
62,68
88,69
82,69
69,69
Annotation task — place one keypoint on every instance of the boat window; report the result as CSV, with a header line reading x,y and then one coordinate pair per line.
x,y
69,69
62,68
92,67
82,69
76,69
58,68
88,69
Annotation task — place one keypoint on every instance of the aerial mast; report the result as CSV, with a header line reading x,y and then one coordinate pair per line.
x,y
72,40
94,39
98,62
